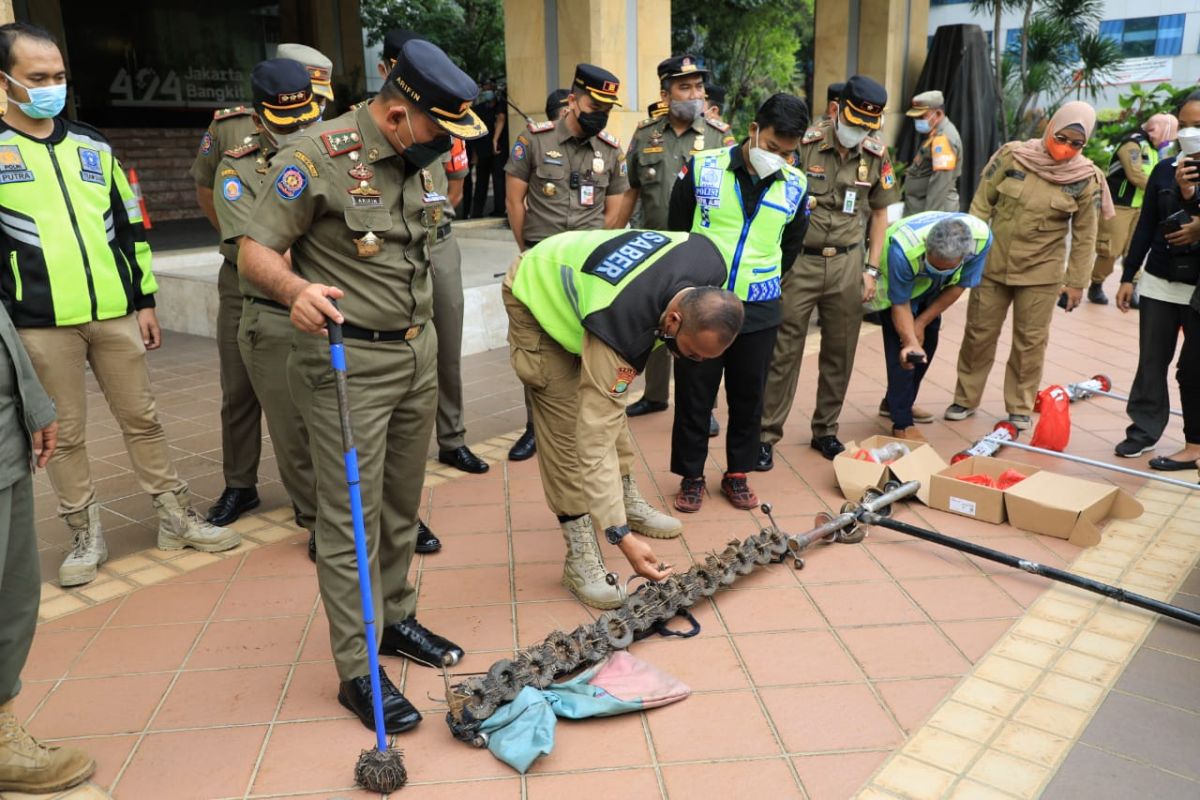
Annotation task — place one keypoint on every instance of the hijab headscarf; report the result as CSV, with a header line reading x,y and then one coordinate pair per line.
x,y
1161,128
1033,155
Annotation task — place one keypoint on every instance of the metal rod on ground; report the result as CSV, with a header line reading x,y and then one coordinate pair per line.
x,y
1005,435
1101,385
1034,568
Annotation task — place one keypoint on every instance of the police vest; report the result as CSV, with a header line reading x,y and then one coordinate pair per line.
x,y
564,279
1123,192
910,234
72,228
750,245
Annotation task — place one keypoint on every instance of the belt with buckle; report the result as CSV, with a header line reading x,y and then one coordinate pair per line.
x,y
404,334
262,301
442,233
828,252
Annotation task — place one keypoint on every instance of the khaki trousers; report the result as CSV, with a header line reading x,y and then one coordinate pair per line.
x,y
20,583
1112,240
834,286
241,414
553,378
265,340
987,308
117,356
393,393
448,321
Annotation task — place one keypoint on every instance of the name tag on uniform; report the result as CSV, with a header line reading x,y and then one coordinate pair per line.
x,y
587,194
430,198
850,201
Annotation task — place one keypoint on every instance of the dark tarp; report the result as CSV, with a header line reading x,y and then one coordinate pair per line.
x,y
959,66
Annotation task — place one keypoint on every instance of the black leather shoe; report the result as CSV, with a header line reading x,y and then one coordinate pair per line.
x,y
766,458
714,427
232,504
525,447
1165,464
645,406
312,546
829,446
398,714
462,458
426,541
1095,294
411,639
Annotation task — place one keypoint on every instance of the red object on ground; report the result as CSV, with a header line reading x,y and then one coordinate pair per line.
x,y
1053,430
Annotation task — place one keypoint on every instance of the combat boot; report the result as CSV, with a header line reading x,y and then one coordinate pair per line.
x,y
179,526
645,518
583,572
89,550
27,765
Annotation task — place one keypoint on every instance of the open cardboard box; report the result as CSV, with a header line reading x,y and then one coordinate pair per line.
x,y
1066,507
855,476
948,493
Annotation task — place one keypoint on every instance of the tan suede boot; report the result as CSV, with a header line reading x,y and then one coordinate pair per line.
x,y
89,550
179,526
644,518
27,765
583,572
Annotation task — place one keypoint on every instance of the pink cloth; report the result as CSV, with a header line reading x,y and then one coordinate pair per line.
x,y
1161,128
628,678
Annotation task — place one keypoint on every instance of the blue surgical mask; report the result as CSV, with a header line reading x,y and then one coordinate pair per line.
x,y
940,273
44,101
486,96
922,125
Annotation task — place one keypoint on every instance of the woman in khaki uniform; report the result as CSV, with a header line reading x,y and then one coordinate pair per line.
x,y
1036,195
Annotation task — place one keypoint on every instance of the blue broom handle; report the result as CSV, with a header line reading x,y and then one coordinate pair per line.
x,y
337,356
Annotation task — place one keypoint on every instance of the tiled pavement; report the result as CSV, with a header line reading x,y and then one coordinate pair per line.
x,y
894,663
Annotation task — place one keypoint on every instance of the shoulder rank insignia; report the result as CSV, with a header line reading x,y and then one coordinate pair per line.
x,y
359,105
716,123
226,113
646,123
874,146
343,141
609,139
541,127
812,135
242,150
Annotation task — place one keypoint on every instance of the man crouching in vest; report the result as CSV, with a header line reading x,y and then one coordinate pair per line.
x,y
585,310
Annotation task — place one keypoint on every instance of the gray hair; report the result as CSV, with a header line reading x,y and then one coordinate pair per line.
x,y
712,308
950,240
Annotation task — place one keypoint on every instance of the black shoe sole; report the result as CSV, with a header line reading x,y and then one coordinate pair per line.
x,y
369,721
221,522
384,650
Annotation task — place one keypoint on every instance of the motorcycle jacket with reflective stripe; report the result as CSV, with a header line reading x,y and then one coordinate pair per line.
x,y
74,243
1123,192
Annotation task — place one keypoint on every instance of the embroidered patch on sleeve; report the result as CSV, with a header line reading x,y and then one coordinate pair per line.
x,y
231,189
625,376
291,183
206,143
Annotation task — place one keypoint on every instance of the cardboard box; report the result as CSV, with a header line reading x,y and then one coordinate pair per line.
x,y
855,476
948,493
1066,507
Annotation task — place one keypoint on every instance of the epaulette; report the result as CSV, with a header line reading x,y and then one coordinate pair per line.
x,y
341,141
540,127
358,105
609,139
812,135
226,113
874,146
716,123
242,150
646,123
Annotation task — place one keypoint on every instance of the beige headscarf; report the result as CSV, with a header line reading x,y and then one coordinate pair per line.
x,y
1032,153
1161,128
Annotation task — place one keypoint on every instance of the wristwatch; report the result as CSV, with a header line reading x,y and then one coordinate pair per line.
x,y
616,533
872,271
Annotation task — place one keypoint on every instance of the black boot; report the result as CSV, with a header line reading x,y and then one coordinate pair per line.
x,y
766,458
828,446
398,714
426,541
1095,294
232,504
461,458
525,447
645,406
411,639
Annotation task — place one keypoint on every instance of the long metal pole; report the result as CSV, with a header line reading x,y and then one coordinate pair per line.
x,y
1091,462
1034,568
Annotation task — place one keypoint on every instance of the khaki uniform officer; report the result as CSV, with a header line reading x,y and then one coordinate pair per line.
x,y
354,200
230,128
850,186
1034,207
659,149
264,335
931,180
584,312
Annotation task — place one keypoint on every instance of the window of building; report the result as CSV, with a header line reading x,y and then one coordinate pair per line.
x,y
947,2
1146,36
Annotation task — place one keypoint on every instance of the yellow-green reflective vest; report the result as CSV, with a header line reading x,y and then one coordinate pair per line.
x,y
910,233
1123,192
750,245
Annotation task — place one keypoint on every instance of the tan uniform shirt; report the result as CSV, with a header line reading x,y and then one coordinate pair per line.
x,y
1031,221
931,180
656,155
842,193
230,128
1130,156
569,179
240,176
356,215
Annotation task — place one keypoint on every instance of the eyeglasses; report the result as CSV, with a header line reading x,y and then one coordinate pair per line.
x,y
1073,143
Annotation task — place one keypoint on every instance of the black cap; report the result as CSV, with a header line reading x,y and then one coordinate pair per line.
x,y
283,94
433,83
680,66
862,102
554,102
657,109
715,94
834,92
598,82
393,40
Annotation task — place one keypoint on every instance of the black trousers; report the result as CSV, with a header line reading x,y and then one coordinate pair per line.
x,y
1187,373
1158,337
744,367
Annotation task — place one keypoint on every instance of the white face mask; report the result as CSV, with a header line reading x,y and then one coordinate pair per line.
x,y
850,136
765,162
